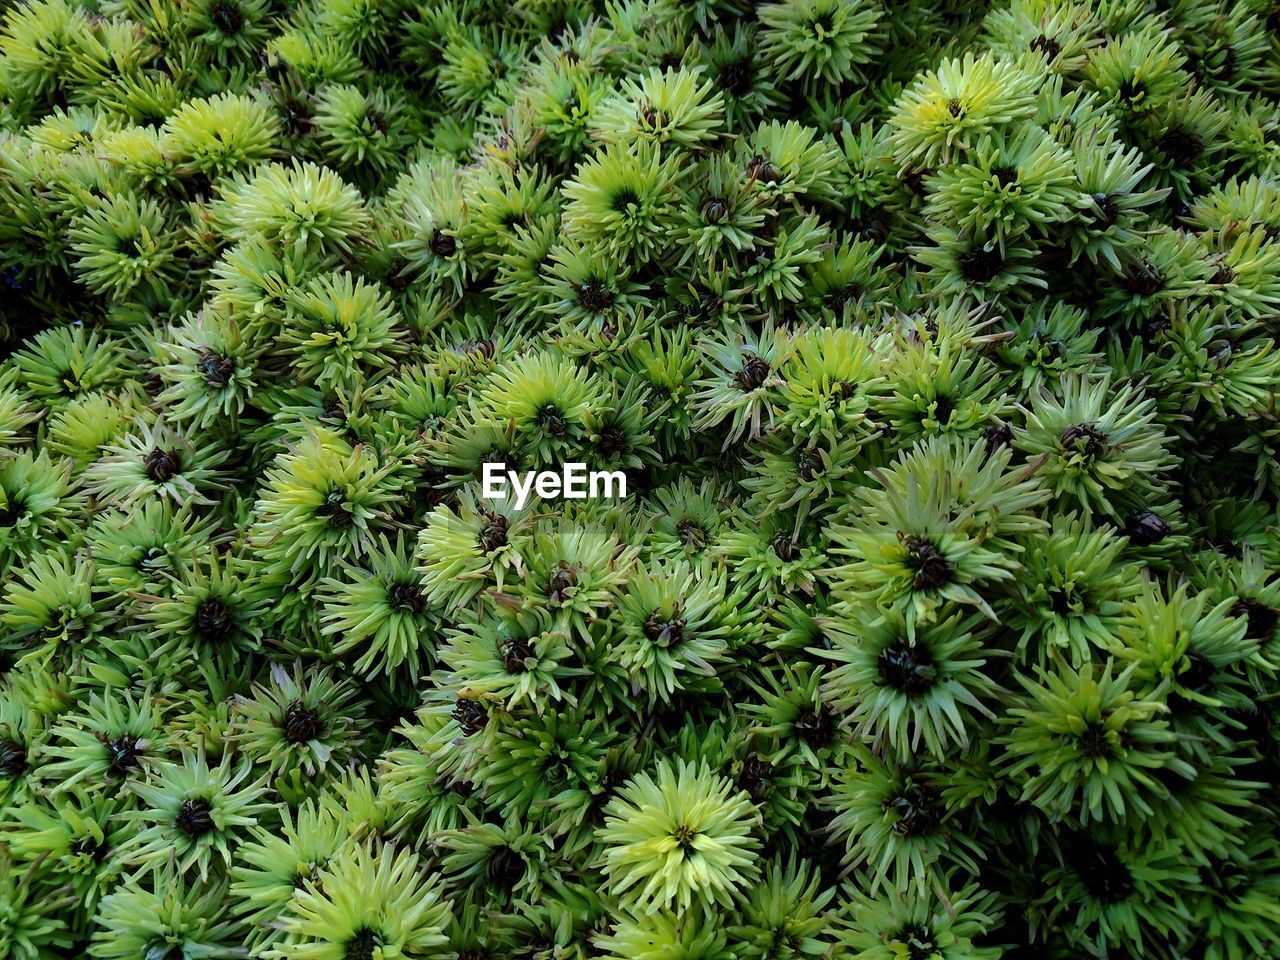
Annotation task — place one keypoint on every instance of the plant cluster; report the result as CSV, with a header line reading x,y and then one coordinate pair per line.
x,y
937,342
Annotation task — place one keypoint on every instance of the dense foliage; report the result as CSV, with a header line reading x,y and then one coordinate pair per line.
x,y
937,340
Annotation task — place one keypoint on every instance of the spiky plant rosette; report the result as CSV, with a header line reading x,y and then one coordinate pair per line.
x,y
935,345
681,836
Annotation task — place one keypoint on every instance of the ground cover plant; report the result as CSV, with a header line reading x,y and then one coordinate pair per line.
x,y
936,341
